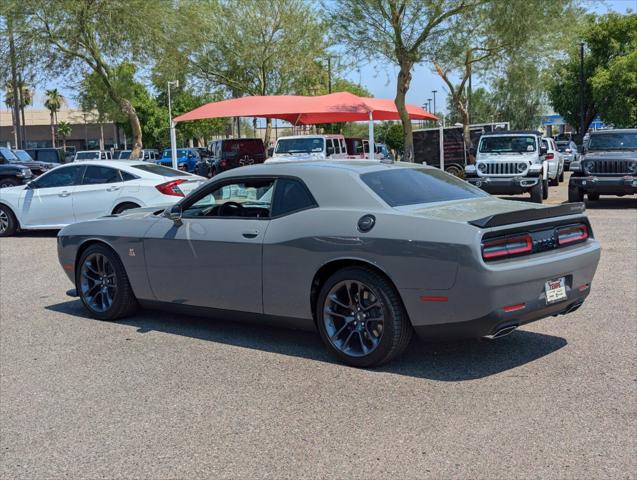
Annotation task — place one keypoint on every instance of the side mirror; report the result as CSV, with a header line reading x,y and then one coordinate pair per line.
x,y
174,213
330,151
543,150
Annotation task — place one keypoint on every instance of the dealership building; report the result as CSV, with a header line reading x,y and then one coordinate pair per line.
x,y
87,132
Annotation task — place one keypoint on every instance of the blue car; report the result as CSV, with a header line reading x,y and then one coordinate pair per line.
x,y
187,158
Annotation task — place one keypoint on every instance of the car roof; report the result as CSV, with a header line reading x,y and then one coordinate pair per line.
x,y
110,163
499,133
302,168
326,135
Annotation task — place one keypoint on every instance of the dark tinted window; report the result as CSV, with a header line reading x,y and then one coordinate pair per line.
x,y
290,196
410,186
159,170
96,175
59,177
127,176
243,147
23,156
52,156
7,155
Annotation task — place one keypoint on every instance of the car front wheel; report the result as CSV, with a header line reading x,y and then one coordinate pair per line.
x,y
575,194
537,192
361,318
102,284
8,222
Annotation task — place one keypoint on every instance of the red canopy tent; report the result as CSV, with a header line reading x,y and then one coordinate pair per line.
x,y
300,110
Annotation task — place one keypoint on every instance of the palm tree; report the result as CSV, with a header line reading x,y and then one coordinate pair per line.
x,y
64,130
25,95
53,103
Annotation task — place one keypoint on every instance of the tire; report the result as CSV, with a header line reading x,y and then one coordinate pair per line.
x,y
9,182
344,333
555,181
537,192
122,207
8,222
561,177
455,170
575,194
593,196
89,277
545,189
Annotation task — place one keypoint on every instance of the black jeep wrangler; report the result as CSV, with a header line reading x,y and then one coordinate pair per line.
x,y
608,167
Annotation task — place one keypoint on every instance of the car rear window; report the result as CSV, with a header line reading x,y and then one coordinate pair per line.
x,y
243,146
160,170
411,186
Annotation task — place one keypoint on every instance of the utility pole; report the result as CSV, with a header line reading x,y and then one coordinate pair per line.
x,y
329,74
434,92
581,91
469,96
14,84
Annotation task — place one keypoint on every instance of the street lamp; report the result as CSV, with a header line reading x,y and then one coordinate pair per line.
x,y
173,139
434,92
581,91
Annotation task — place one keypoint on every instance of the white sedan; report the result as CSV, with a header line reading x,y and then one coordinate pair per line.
x,y
85,191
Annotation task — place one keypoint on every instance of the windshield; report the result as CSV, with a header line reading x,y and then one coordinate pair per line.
x,y
562,146
508,144
87,155
411,186
613,141
23,156
300,145
8,155
125,154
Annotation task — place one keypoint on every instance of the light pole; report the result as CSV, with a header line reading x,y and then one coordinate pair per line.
x,y
434,92
173,139
581,92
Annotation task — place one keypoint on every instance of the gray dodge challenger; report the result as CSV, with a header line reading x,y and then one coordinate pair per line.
x,y
365,252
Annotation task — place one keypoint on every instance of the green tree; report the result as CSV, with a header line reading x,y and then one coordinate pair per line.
x,y
99,35
64,131
483,109
53,103
259,48
401,31
610,63
493,39
392,135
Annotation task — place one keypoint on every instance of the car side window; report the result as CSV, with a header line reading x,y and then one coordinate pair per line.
x,y
290,196
247,198
127,176
96,175
60,177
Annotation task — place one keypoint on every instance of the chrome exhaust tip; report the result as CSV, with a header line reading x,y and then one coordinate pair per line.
x,y
502,332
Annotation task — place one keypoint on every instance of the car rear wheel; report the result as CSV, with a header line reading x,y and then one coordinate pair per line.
x,y
575,194
537,192
561,179
8,222
554,182
361,318
8,182
102,284
593,196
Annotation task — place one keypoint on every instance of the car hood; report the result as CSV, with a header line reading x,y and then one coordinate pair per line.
x,y
297,157
506,157
467,210
611,155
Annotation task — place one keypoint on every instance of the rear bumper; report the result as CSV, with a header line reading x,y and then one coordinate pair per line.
x,y
475,305
504,185
620,185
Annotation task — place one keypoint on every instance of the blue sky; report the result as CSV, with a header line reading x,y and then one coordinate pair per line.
x,y
379,77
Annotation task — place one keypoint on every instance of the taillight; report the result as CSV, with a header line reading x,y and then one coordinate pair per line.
x,y
171,188
572,234
549,156
505,247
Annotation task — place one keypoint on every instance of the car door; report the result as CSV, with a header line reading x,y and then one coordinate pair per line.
x,y
97,193
211,256
48,200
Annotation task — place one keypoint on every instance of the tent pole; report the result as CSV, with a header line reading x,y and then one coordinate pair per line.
x,y
371,136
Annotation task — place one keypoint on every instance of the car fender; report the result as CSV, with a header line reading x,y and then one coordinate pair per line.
x,y
545,170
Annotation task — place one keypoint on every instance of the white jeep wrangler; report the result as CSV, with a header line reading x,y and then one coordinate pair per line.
x,y
309,147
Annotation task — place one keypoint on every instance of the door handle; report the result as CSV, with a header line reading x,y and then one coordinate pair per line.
x,y
250,234
112,189
64,194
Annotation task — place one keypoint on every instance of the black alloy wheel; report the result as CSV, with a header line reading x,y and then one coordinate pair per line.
x,y
361,318
103,285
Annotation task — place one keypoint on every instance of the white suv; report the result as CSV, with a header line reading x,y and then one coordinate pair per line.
x,y
309,147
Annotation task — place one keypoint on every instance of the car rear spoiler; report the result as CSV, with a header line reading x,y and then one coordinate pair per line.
x,y
529,215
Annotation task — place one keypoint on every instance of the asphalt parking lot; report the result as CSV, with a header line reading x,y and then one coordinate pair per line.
x,y
170,396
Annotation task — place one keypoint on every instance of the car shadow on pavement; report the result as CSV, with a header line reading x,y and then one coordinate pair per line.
x,y
612,203
37,233
449,362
